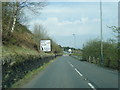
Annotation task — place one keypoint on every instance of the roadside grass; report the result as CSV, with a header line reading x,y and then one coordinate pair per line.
x,y
76,54
0,51
30,75
7,51
11,50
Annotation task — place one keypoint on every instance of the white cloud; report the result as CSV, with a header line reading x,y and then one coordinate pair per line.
x,y
66,0
55,27
96,20
81,19
55,10
84,20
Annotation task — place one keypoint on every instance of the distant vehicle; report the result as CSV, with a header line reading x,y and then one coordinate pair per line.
x,y
69,50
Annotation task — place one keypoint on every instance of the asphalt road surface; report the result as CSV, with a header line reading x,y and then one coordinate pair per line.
x,y
67,72
0,76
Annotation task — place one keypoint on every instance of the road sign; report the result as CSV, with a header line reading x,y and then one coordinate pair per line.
x,y
45,45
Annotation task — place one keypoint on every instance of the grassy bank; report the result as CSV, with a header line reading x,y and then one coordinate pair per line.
x,y
12,50
21,48
18,62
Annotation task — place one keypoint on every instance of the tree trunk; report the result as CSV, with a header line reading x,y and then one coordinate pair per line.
x,y
15,18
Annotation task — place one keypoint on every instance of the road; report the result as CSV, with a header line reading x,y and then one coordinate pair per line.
x,y
0,76
67,72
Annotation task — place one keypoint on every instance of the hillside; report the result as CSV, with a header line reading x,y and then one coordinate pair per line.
x,y
20,47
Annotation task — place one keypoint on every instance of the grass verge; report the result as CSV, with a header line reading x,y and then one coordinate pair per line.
x,y
30,75
12,50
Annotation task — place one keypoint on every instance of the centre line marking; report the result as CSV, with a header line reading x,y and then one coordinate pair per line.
x,y
91,86
71,65
78,72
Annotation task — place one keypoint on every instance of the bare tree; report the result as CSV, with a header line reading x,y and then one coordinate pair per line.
x,y
116,30
17,7
39,33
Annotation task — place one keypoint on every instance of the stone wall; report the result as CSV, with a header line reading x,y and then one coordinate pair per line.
x,y
16,67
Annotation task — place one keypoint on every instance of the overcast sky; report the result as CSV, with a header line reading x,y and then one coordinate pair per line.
x,y
62,19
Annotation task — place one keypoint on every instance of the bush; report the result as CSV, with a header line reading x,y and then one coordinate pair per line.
x,y
91,52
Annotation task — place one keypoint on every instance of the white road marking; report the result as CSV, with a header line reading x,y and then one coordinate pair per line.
x,y
91,86
82,75
71,65
78,72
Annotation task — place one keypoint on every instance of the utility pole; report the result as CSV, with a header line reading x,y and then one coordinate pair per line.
x,y
74,41
101,46
39,37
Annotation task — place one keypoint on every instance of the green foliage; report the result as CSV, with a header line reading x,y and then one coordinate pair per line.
x,y
116,30
67,48
91,51
77,54
56,47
